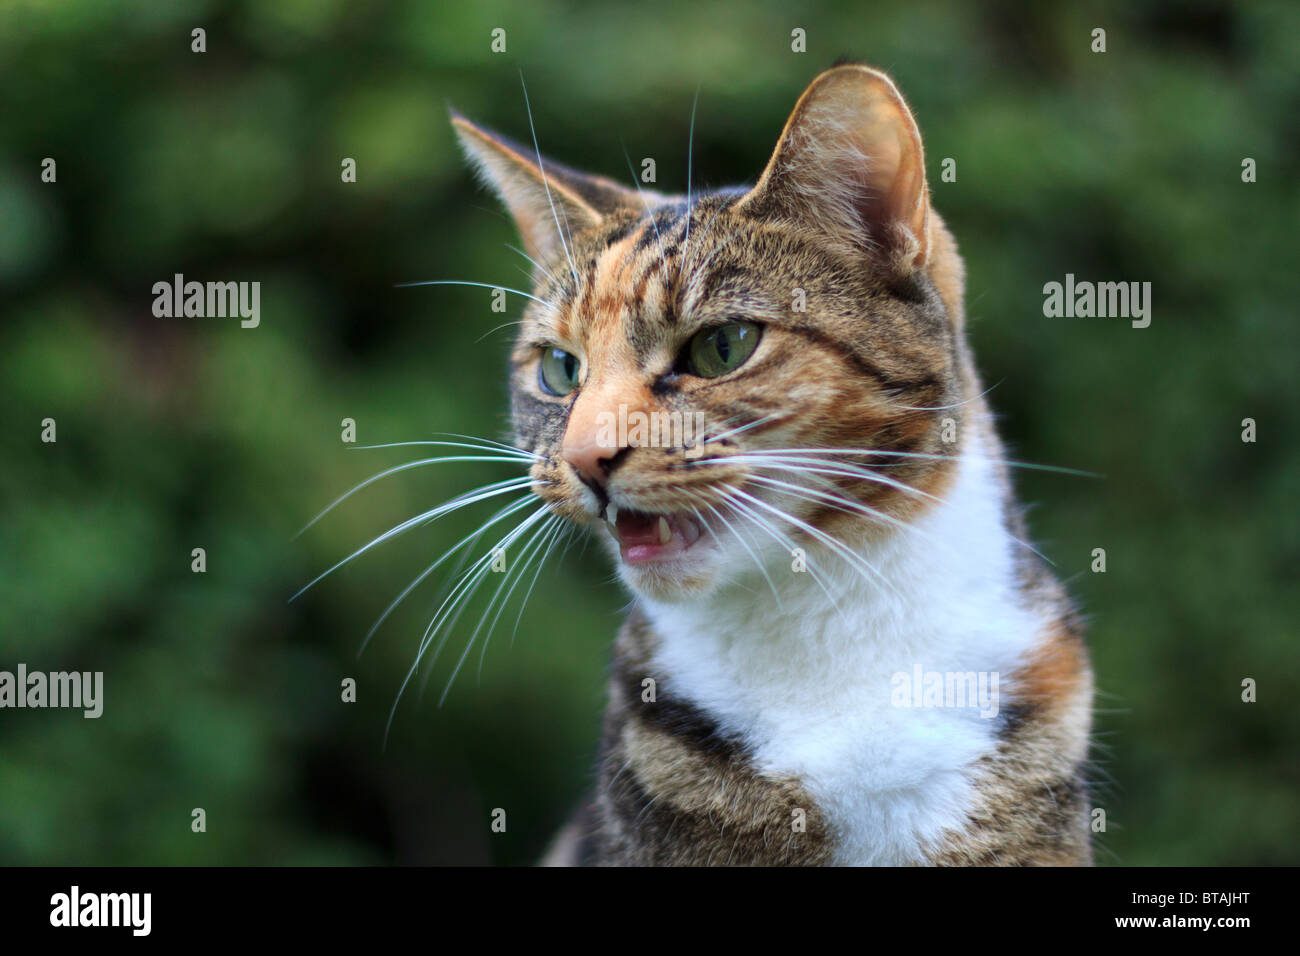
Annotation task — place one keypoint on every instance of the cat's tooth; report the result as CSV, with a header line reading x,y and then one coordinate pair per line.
x,y
690,532
611,513
665,532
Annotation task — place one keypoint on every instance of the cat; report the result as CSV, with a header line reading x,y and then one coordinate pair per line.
x,y
820,572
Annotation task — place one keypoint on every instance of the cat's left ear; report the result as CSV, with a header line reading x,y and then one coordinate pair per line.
x,y
549,202
849,164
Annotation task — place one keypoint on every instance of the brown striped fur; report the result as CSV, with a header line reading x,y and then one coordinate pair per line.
x,y
672,790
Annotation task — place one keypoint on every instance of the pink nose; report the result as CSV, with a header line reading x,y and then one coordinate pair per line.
x,y
588,457
591,439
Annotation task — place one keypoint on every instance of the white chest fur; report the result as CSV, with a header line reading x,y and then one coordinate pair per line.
x,y
817,693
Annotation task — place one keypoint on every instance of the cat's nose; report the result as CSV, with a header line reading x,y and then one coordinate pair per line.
x,y
590,459
592,437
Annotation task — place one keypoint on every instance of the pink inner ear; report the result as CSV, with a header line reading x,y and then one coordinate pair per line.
x,y
892,190
544,208
851,164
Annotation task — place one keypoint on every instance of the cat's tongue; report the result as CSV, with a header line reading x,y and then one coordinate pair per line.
x,y
650,537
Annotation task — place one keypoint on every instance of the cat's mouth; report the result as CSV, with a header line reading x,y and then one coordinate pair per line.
x,y
648,537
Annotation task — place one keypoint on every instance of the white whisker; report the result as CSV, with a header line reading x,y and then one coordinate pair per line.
x,y
541,268
821,466
838,547
493,443
663,259
922,456
690,153
847,505
466,542
775,533
455,504
762,569
506,578
744,428
540,538
480,285
486,445
394,470
541,168
563,533
466,586
942,408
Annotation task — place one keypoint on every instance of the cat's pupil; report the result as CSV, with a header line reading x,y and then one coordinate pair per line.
x,y
722,345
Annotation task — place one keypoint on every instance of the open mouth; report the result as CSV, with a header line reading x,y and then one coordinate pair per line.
x,y
645,537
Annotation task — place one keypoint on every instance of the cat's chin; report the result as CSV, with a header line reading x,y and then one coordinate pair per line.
x,y
670,581
665,557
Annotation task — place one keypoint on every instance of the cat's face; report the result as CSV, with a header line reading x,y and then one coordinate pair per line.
x,y
758,372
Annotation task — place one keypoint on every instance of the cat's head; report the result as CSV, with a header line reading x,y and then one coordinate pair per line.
x,y
750,372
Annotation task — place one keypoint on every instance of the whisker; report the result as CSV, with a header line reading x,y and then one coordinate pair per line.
x,y
533,548
942,408
495,447
449,612
480,285
474,576
853,471
744,428
690,153
854,560
448,625
498,444
820,466
391,471
466,542
566,536
775,533
923,456
847,505
762,569
541,268
663,259
455,504
545,185
498,328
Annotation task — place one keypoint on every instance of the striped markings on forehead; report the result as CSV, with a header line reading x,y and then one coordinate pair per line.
x,y
625,297
624,310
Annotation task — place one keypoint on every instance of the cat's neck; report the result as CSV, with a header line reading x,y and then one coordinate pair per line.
x,y
812,688
944,586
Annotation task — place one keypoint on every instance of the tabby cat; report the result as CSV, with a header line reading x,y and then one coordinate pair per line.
x,y
822,568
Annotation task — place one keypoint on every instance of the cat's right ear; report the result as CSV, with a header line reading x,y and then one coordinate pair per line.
x,y
549,202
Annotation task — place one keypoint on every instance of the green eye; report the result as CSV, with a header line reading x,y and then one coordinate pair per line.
x,y
721,349
557,373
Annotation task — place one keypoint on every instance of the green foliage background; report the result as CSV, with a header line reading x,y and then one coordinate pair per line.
x,y
176,433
